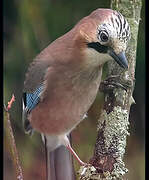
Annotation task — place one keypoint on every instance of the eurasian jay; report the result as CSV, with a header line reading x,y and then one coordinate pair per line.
x,y
63,80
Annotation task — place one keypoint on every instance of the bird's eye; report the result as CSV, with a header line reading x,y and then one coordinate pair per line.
x,y
104,37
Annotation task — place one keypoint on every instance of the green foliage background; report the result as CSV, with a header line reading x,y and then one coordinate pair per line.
x,y
29,26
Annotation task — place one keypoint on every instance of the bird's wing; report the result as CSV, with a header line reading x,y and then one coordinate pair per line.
x,y
33,88
59,162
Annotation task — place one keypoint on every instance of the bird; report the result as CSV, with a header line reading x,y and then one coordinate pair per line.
x,y
63,80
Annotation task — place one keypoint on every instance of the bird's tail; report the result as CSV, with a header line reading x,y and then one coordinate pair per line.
x,y
59,164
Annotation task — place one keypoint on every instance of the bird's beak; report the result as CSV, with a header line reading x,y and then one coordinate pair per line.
x,y
119,58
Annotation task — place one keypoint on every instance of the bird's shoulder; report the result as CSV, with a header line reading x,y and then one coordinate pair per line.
x,y
35,74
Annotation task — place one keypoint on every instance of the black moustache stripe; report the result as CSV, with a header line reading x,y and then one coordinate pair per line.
x,y
98,47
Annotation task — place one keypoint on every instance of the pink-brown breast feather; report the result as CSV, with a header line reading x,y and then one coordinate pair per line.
x,y
65,103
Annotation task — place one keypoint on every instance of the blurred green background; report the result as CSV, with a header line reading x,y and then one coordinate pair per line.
x,y
29,26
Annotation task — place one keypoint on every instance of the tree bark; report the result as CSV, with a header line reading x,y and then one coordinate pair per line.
x,y
107,161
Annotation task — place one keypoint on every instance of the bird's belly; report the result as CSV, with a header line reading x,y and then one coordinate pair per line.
x,y
64,109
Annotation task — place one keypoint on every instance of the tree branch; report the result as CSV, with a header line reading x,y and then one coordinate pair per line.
x,y
107,161
13,148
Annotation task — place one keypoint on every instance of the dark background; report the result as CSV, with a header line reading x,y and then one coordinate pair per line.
x,y
29,26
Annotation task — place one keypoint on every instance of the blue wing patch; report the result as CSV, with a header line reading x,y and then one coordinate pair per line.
x,y
32,99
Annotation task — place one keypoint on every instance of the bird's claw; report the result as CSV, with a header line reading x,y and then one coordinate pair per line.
x,y
112,82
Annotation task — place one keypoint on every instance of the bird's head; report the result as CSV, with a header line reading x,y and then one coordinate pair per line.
x,y
106,34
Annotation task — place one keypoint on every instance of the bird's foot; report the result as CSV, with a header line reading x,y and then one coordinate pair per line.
x,y
115,81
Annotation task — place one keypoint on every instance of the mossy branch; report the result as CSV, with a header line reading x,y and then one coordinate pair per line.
x,y
107,161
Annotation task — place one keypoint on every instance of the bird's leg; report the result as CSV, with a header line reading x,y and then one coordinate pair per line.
x,y
75,155
66,143
114,81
